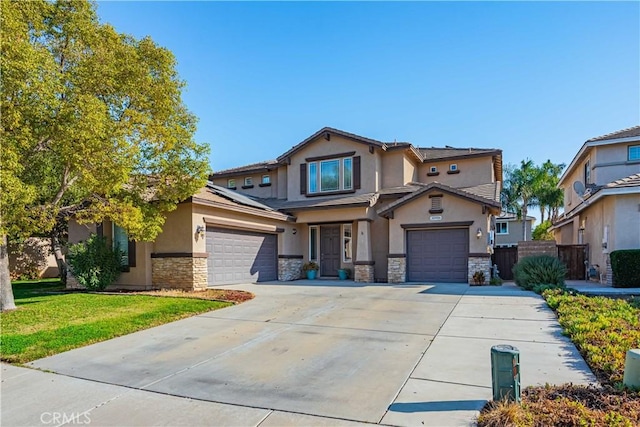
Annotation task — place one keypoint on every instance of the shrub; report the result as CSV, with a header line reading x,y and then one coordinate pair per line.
x,y
541,232
495,281
626,268
94,264
478,277
538,270
539,289
308,266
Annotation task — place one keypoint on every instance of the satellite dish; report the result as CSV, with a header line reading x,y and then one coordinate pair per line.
x,y
578,187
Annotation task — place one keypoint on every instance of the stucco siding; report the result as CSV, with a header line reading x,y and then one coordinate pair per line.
x,y
627,221
369,163
455,209
473,171
178,231
380,245
259,189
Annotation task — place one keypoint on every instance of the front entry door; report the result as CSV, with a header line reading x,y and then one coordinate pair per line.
x,y
329,250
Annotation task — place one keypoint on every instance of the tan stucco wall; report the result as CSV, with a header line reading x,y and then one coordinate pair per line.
x,y
626,232
455,209
178,231
282,182
80,232
473,172
334,215
370,179
571,199
397,169
380,245
515,232
265,192
611,163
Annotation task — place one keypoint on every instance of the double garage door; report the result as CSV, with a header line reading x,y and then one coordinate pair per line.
x,y
439,255
237,256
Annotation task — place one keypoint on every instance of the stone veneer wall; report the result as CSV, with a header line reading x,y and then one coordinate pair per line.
x,y
397,269
477,263
184,272
290,268
537,247
364,273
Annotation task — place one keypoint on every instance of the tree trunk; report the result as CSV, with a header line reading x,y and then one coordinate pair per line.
x,y
524,221
6,291
62,264
542,212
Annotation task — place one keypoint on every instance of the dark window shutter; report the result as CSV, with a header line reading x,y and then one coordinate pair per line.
x,y
356,172
100,229
132,253
303,178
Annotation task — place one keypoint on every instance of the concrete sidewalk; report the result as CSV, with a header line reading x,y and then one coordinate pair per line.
x,y
304,354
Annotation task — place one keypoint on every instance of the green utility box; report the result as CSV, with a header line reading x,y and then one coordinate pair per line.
x,y
505,372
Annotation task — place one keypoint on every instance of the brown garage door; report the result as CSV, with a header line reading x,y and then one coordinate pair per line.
x,y
241,256
437,255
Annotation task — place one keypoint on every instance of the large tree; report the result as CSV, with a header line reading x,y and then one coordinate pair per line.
x,y
550,197
519,190
93,125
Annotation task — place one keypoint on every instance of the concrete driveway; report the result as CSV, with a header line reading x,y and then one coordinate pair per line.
x,y
322,353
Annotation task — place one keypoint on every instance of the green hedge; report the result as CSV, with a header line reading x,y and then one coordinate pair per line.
x,y
532,271
626,268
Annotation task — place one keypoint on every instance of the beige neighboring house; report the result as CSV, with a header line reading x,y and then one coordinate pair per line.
x,y
509,229
602,197
388,211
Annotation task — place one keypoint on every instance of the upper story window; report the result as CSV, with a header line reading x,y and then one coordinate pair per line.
x,y
633,152
266,179
331,175
502,228
587,173
248,181
433,169
453,167
231,183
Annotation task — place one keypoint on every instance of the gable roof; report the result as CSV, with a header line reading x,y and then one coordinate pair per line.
x,y
328,131
422,155
629,181
254,167
451,153
467,193
620,136
624,133
364,200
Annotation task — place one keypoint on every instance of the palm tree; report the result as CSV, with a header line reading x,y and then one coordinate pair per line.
x,y
519,190
550,197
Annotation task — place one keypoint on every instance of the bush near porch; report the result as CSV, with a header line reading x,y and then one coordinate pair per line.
x,y
625,265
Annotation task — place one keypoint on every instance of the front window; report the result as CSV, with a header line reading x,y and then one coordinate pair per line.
x,y
634,152
231,183
587,173
347,254
266,179
121,243
331,175
502,228
313,243
248,181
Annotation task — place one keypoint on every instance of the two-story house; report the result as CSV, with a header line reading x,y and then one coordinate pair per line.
x,y
388,211
602,197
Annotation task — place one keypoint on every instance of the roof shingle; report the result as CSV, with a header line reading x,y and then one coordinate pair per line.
x,y
624,133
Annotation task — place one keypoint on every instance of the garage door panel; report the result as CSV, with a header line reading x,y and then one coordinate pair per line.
x,y
237,256
437,255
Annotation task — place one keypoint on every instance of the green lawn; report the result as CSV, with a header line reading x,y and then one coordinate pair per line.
x,y
49,322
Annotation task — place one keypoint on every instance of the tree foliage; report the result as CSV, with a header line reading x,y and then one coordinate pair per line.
x,y
541,232
527,186
94,263
93,124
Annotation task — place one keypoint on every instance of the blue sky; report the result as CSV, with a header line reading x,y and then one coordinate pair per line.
x,y
533,79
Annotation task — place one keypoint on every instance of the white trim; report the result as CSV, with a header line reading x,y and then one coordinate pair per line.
x,y
600,194
317,257
344,242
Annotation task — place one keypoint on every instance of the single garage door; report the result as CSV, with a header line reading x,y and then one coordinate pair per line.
x,y
241,256
437,255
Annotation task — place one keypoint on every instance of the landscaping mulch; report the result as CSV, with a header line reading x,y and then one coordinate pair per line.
x,y
566,405
227,295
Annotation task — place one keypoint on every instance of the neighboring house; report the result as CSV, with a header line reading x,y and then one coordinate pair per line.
x,y
388,211
602,197
509,229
